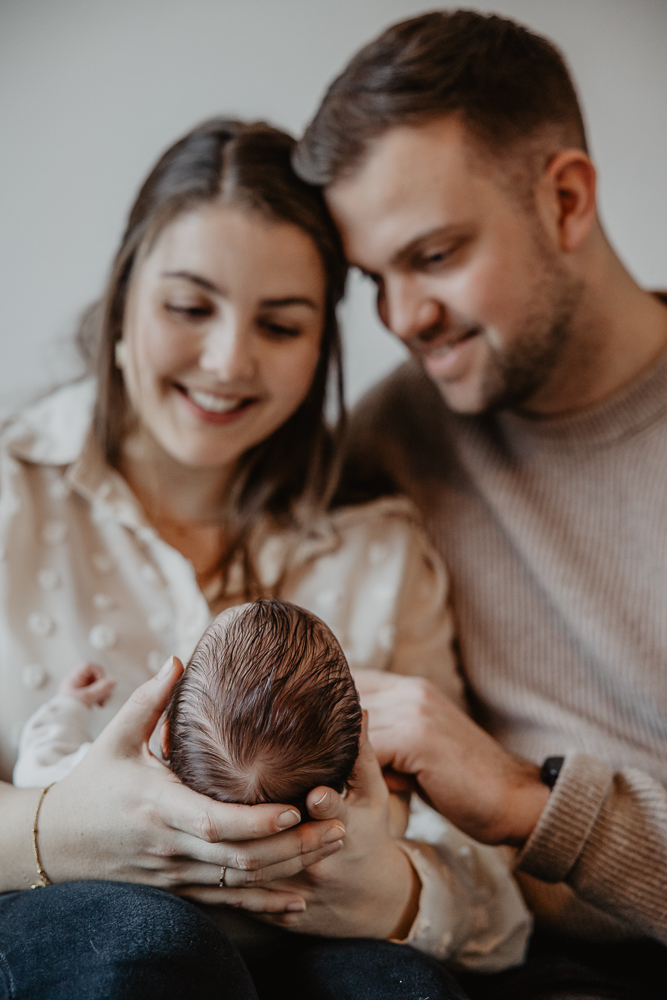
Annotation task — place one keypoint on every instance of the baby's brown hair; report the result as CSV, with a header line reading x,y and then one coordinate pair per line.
x,y
266,709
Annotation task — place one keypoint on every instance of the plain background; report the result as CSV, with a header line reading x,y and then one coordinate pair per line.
x,y
91,91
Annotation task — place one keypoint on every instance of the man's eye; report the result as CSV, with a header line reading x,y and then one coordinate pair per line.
x,y
436,258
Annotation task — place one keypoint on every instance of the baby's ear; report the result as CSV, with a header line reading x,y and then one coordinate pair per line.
x,y
164,739
363,735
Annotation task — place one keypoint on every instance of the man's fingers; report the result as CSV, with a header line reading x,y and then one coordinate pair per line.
x,y
137,718
251,900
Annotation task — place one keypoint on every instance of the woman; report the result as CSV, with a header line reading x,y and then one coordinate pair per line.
x,y
195,472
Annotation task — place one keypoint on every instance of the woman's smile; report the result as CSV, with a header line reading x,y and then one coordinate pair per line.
x,y
216,408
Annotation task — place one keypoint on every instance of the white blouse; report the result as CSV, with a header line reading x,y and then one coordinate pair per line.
x,y
84,576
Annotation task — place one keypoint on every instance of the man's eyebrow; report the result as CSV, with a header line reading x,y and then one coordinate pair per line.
x,y
290,300
196,279
404,253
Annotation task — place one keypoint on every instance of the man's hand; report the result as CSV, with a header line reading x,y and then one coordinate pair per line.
x,y
369,888
122,815
461,770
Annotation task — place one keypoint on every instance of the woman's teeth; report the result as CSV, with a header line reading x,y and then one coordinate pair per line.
x,y
213,404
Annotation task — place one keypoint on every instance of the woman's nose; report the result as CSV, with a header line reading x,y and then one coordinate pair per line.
x,y
227,351
407,309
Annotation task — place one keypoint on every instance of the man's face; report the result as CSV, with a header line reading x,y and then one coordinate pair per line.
x,y
467,275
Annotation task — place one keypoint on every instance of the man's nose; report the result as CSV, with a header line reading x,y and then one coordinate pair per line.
x,y
407,309
228,350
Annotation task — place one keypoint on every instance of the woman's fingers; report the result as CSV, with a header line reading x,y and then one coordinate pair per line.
x,y
206,875
212,822
245,837
250,900
367,783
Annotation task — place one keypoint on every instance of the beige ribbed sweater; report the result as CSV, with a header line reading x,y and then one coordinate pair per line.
x,y
555,534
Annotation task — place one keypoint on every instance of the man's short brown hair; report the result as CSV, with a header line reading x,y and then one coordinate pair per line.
x,y
506,83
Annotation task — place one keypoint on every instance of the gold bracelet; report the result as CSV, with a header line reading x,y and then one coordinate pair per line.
x,y
45,880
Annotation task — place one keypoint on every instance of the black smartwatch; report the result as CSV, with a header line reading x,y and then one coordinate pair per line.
x,y
550,770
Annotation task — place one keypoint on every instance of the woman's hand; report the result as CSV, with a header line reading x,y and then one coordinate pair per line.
x,y
122,815
462,771
370,888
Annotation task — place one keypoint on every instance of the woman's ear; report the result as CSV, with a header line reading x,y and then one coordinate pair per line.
x,y
567,198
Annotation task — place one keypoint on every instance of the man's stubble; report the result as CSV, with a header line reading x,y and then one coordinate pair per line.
x,y
523,371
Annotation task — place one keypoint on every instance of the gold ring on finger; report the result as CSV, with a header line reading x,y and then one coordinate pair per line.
x,y
221,880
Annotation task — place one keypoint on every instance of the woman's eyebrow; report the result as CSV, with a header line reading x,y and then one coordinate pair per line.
x,y
196,279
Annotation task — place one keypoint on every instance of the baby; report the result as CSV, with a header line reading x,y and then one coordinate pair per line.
x,y
265,711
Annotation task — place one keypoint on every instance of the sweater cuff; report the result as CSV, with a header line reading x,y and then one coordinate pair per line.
x,y
562,830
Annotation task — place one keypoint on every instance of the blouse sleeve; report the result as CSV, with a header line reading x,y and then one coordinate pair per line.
x,y
424,637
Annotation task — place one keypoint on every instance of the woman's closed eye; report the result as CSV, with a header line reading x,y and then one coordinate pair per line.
x,y
189,311
279,330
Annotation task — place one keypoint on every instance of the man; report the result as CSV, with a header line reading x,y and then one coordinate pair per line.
x,y
531,427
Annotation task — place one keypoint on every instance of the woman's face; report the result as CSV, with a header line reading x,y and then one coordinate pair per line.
x,y
222,332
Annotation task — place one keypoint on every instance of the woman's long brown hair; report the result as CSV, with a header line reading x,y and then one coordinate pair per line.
x,y
291,476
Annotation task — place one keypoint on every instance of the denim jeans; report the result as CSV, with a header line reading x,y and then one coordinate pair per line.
x,y
115,941
112,941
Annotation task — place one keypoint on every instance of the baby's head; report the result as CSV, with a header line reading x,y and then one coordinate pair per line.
x,y
266,709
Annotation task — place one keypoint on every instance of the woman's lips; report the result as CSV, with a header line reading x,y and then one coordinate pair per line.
x,y
450,360
214,409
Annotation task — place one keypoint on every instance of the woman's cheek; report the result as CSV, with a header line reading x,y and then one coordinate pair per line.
x,y
297,373
167,351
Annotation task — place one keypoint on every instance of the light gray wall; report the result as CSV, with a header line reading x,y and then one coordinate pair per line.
x,y
91,91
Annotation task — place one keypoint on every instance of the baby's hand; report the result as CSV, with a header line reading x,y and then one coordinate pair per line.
x,y
88,684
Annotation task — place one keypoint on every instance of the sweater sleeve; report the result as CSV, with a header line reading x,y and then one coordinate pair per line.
x,y
605,835
53,741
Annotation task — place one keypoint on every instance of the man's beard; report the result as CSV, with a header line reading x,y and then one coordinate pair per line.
x,y
516,374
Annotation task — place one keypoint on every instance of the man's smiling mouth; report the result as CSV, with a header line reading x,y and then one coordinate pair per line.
x,y
439,350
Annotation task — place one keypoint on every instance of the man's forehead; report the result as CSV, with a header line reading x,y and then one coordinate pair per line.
x,y
409,176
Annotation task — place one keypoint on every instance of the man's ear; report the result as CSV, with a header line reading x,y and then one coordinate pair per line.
x,y
566,196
